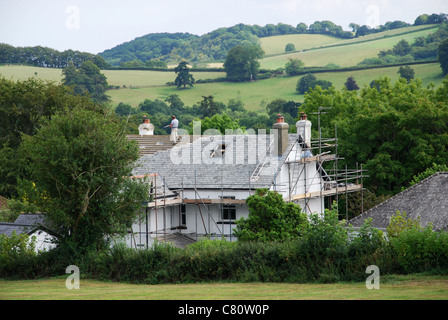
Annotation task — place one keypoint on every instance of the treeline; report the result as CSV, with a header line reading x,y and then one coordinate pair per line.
x,y
424,48
213,114
46,57
213,46
420,20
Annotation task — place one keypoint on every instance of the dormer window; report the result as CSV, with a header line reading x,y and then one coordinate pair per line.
x,y
218,151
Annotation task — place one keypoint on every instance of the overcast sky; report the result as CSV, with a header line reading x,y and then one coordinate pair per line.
x,y
96,25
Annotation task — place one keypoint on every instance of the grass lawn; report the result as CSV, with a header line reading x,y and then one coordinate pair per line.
x,y
411,287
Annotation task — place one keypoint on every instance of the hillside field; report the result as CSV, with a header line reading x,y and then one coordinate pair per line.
x,y
347,53
257,94
134,86
275,45
141,85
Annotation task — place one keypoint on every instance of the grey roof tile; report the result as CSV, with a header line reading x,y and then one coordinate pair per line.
x,y
220,171
426,199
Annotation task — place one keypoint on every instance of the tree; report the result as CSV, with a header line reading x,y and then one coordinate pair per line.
x,y
219,122
242,63
293,67
23,105
208,107
284,107
443,56
396,130
304,83
406,72
184,77
81,160
351,84
402,48
271,219
87,80
290,47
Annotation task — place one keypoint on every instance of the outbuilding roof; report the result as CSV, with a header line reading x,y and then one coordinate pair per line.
x,y
426,199
25,223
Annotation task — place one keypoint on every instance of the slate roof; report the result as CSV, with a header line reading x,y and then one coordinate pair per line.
x,y
427,199
214,172
25,223
151,144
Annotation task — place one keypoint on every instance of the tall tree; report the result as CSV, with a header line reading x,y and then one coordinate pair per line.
x,y
351,84
209,107
87,80
443,56
406,72
242,63
81,160
294,66
184,77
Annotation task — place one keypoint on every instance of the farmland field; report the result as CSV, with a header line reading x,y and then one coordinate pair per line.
x,y
410,287
256,94
347,55
141,85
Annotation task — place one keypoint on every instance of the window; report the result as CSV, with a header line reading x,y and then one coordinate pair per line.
x,y
228,212
183,215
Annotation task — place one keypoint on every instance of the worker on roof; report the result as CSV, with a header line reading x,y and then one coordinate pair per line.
x,y
174,125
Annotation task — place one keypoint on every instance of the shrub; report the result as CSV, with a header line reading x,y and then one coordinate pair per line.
x,y
16,252
421,250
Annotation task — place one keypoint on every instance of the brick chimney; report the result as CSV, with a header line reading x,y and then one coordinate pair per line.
x,y
281,140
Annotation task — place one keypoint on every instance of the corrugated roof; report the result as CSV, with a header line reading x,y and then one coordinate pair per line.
x,y
426,199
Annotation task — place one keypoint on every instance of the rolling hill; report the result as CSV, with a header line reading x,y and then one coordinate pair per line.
x,y
134,86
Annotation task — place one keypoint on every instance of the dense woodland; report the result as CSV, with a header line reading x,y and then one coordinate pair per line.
x,y
214,45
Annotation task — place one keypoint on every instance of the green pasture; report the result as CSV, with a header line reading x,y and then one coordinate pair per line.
x,y
126,78
345,55
257,94
410,287
276,45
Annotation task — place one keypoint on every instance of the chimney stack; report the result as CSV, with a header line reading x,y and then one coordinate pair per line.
x,y
146,128
281,139
304,129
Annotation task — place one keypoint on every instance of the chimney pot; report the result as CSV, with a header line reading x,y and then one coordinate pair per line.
x,y
280,118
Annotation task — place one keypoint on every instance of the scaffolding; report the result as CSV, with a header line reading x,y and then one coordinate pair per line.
x,y
329,181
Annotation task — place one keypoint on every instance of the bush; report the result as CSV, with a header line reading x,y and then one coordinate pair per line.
x,y
16,253
421,250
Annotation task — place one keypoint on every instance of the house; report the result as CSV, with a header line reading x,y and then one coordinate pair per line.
x,y
199,187
426,200
32,225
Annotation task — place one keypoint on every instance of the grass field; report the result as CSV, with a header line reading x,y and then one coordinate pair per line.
x,y
347,55
411,287
136,85
258,93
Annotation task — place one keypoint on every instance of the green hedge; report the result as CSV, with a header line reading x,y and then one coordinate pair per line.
x,y
326,253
